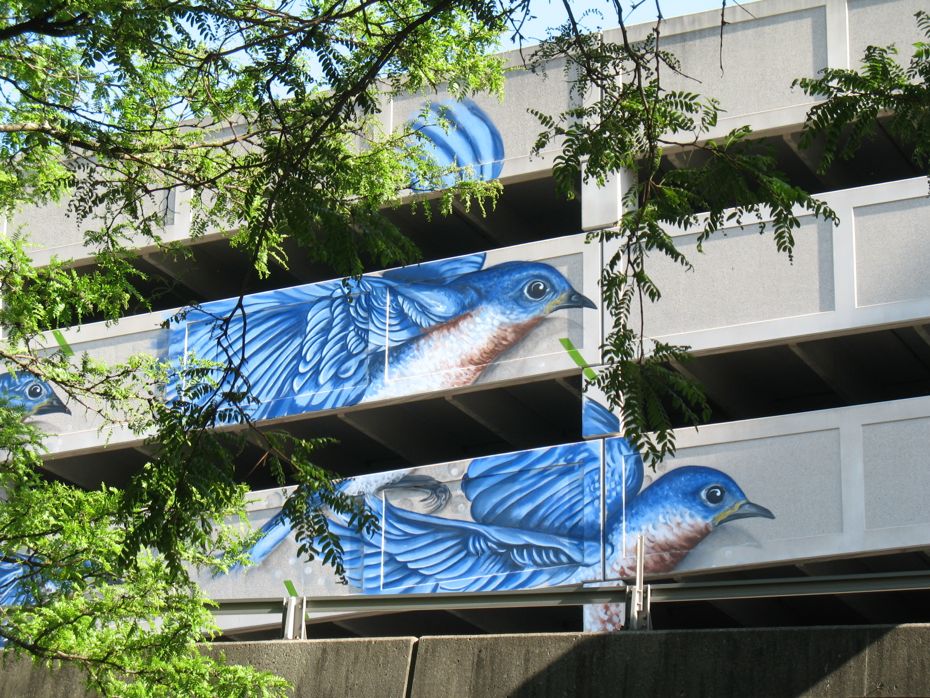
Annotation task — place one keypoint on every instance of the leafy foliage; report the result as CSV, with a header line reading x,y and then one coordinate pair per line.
x,y
268,117
627,122
882,94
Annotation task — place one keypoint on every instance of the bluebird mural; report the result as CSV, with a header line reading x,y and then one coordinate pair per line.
x,y
529,519
417,329
559,515
34,396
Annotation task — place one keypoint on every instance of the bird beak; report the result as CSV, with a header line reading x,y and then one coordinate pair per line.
x,y
572,299
742,510
52,405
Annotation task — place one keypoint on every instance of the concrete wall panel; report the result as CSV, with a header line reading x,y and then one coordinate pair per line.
x,y
757,71
364,668
881,23
742,278
369,668
830,661
797,476
892,252
897,478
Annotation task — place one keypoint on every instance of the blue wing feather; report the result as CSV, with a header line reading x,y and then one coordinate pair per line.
x,y
483,138
597,420
553,490
312,347
470,141
429,553
437,272
463,554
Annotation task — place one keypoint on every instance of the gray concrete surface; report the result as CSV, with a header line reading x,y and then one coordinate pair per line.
x,y
20,678
829,661
834,661
363,668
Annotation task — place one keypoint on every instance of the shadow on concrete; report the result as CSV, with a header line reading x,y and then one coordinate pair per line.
x,y
828,661
812,661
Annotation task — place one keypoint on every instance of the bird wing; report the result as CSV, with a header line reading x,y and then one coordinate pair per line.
x,y
423,553
311,347
440,271
596,419
554,490
471,140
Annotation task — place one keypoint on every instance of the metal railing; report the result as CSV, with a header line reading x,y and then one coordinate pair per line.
x,y
637,597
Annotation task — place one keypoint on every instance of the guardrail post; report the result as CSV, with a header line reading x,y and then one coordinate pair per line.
x,y
293,618
639,596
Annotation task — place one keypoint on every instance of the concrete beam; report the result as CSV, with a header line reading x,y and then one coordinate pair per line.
x,y
500,414
829,661
833,367
389,430
739,404
362,668
878,660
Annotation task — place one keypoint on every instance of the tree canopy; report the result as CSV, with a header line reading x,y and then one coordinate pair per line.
x,y
268,114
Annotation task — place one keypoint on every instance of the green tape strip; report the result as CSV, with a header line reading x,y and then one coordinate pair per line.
x,y
291,589
63,343
578,359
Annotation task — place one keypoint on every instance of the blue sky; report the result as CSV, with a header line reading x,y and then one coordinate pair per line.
x,y
550,13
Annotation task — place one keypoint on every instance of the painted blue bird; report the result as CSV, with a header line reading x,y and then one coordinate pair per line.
x,y
30,394
535,525
536,522
430,327
12,588
677,512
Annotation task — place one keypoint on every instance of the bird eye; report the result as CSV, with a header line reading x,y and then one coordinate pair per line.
x,y
34,391
536,289
714,494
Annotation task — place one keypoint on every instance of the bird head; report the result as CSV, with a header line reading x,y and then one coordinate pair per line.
x,y
525,290
707,494
23,391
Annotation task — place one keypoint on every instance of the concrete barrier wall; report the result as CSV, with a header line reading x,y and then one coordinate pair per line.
x,y
828,661
839,661
363,668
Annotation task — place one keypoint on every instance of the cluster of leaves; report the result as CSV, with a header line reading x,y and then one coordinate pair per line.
x,y
625,123
883,94
268,117
70,596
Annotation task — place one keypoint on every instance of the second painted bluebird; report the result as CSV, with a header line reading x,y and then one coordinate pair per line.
x,y
30,394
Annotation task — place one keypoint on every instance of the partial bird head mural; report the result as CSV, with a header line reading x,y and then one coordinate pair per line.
x,y
704,495
523,291
24,391
675,513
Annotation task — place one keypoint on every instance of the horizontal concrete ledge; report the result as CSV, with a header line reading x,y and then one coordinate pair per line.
x,y
361,668
824,661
